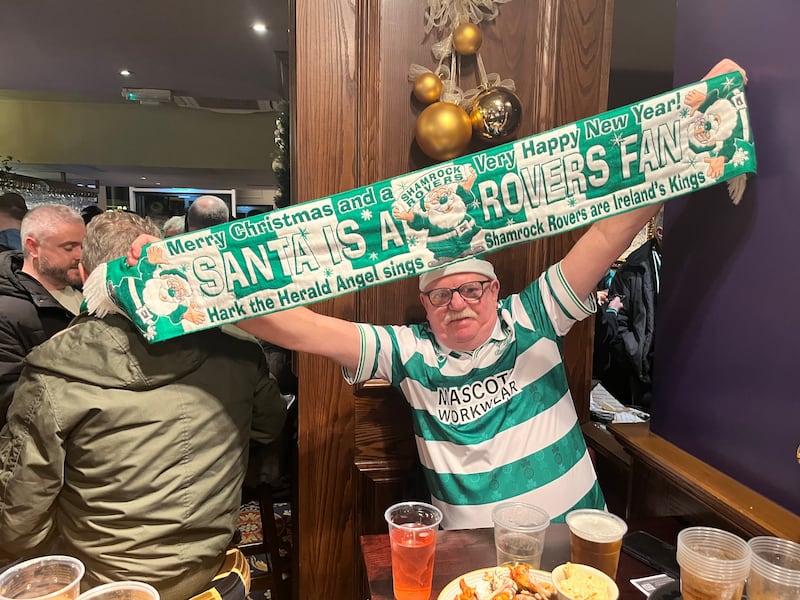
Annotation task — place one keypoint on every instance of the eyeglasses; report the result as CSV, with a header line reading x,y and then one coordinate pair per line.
x,y
470,292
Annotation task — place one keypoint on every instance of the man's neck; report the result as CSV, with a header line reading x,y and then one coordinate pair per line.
x,y
46,283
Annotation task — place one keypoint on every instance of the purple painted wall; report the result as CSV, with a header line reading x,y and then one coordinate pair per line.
x,y
727,383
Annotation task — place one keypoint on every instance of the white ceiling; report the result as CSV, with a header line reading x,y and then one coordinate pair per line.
x,y
203,49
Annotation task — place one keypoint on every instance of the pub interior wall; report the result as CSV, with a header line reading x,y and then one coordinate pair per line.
x,y
726,370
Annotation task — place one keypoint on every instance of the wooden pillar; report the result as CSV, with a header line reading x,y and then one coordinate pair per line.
x,y
352,124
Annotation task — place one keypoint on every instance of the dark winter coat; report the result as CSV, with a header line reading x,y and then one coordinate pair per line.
x,y
29,315
130,455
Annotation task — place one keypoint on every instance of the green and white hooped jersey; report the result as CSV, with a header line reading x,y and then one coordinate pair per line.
x,y
497,424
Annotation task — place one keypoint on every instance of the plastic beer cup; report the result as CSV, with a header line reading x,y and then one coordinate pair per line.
x,y
121,590
774,568
595,539
714,564
52,577
519,532
412,535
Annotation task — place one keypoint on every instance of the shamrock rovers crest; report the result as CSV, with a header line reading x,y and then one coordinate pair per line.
x,y
438,202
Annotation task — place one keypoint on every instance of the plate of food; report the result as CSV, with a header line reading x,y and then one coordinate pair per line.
x,y
520,582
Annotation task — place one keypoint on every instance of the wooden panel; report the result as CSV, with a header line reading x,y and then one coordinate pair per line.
x,y
324,108
740,507
353,124
612,464
583,62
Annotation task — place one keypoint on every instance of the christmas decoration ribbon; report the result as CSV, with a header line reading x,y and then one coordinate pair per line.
x,y
645,153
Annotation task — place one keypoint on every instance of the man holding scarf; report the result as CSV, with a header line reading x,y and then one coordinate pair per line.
x,y
493,417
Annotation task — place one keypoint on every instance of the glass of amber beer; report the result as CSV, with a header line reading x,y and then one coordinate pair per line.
x,y
412,535
45,578
595,539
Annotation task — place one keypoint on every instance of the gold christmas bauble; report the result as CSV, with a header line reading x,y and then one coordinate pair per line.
x,y
467,38
443,130
495,114
427,88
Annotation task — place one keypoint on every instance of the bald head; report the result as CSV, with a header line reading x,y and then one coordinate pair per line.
x,y
207,211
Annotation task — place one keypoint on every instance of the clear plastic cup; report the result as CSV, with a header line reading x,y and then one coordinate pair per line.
x,y
774,569
412,535
52,577
595,539
121,590
519,531
714,564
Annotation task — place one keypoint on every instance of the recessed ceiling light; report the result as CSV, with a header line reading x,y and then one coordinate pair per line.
x,y
143,177
259,28
125,73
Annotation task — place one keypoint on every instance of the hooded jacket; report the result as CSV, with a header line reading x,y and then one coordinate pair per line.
x,y
131,456
28,316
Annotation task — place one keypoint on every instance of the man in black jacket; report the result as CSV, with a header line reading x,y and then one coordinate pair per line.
x,y
38,297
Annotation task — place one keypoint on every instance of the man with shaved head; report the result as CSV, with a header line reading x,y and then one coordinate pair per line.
x,y
207,211
38,295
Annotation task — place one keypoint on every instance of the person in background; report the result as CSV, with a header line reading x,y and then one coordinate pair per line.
x,y
12,210
634,291
38,288
207,211
174,226
267,461
90,212
605,328
131,456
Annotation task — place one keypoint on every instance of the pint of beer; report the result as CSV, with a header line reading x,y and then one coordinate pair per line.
x,y
595,538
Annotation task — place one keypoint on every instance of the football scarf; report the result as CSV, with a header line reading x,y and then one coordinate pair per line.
x,y
645,153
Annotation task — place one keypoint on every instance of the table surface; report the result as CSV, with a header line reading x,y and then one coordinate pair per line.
x,y
462,551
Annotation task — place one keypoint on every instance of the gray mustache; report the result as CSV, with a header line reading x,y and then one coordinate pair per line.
x,y
467,313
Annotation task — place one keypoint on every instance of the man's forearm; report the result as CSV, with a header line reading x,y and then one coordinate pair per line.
x,y
620,230
304,330
602,244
